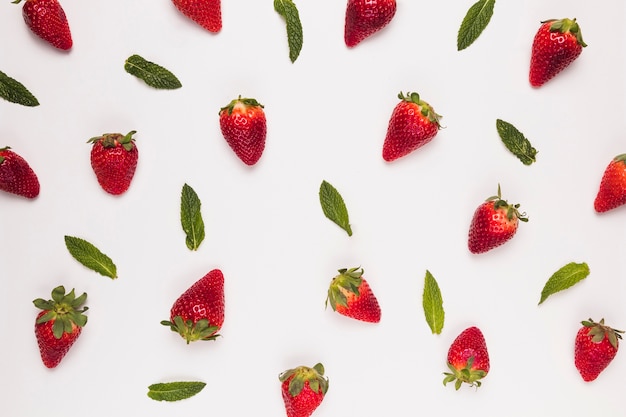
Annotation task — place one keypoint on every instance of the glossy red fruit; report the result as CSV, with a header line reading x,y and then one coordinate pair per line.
x,y
494,223
595,347
59,324
556,45
114,160
16,175
198,314
244,127
303,389
47,20
366,17
206,13
350,295
413,124
612,191
468,359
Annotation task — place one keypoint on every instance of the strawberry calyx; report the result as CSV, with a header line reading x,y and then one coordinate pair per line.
x,y
303,374
190,331
348,281
567,26
247,102
63,310
2,158
618,158
425,109
512,210
111,140
599,331
464,375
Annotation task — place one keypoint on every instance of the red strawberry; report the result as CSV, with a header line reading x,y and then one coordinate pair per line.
x,y
594,348
468,359
366,17
412,125
16,176
198,313
114,160
303,389
612,191
556,45
206,13
244,127
494,223
350,295
59,324
46,19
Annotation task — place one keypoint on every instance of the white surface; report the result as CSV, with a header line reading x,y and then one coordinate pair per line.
x,y
327,117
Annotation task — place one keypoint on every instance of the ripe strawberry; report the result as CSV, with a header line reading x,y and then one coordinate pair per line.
x,y
366,17
59,324
413,124
114,160
303,389
468,359
244,127
46,19
350,295
198,313
556,45
494,223
612,191
16,176
206,13
595,347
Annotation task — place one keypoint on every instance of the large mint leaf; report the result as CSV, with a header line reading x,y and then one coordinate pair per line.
x,y
90,256
191,217
565,277
432,302
516,142
287,9
175,391
15,92
152,74
334,207
475,21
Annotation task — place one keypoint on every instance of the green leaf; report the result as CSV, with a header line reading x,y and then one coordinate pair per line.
x,y
433,304
564,278
90,256
287,9
334,207
516,142
474,22
174,391
15,92
153,74
191,217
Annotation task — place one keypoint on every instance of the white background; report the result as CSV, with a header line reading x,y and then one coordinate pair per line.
x,y
327,117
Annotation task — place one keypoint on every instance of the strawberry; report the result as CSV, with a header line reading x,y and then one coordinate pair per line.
x,y
494,223
114,160
366,17
198,314
350,295
244,127
468,359
16,176
46,19
612,191
413,124
595,347
59,324
206,13
303,389
556,45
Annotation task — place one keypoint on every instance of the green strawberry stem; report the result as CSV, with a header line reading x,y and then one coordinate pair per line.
x,y
598,331
567,26
64,310
191,332
302,374
511,209
425,108
464,375
347,280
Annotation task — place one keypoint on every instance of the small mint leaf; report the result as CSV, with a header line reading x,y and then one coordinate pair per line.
x,y
191,217
516,142
474,22
334,207
152,74
433,304
15,92
287,9
567,276
175,391
90,256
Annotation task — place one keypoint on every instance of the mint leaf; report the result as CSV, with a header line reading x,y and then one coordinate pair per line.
x,y
152,74
433,304
288,10
516,142
90,256
191,217
564,278
174,391
334,207
15,92
475,21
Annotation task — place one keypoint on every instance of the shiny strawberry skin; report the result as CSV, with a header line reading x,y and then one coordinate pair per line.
x,y
47,20
350,295
468,358
114,159
366,17
612,191
595,349
53,350
16,175
303,390
556,45
206,13
244,127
